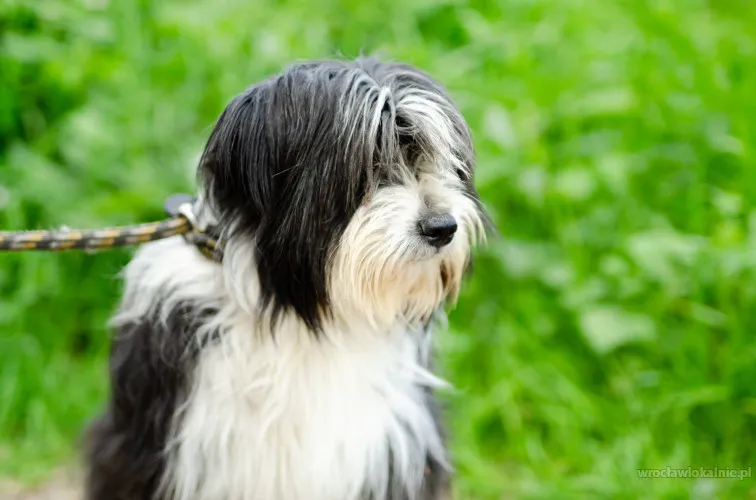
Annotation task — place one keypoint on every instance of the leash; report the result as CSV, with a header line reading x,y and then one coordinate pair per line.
x,y
182,221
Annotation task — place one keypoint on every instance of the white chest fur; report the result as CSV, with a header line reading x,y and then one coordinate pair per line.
x,y
296,418
288,417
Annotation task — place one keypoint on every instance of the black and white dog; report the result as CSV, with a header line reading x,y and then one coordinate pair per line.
x,y
298,367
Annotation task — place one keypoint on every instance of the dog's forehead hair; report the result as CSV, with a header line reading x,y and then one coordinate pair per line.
x,y
344,125
402,115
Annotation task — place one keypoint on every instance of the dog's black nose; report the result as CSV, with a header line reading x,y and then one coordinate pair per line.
x,y
438,229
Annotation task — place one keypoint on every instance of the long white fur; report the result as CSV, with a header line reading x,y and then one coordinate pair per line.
x,y
288,416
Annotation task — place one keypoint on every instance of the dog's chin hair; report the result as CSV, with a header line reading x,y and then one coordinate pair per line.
x,y
381,276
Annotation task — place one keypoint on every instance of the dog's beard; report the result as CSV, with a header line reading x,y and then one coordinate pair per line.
x,y
383,270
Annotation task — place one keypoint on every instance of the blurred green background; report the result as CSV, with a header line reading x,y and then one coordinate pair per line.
x,y
610,328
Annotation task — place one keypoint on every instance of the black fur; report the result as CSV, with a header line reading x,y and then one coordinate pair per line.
x,y
150,364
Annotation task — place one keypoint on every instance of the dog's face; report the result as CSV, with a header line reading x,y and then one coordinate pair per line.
x,y
353,184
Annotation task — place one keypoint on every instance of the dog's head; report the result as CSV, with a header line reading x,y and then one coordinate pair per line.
x,y
352,185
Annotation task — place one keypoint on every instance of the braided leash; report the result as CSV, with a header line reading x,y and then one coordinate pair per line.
x,y
181,222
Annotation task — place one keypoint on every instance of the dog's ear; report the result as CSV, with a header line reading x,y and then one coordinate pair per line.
x,y
286,166
286,143
234,170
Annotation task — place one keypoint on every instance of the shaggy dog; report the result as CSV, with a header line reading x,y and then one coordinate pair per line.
x,y
298,366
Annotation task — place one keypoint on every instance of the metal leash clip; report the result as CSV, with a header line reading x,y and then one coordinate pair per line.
x,y
182,205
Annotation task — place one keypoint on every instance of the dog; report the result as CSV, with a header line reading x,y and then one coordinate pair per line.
x,y
300,365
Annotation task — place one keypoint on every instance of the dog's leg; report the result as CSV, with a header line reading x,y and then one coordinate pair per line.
x,y
125,446
437,481
437,484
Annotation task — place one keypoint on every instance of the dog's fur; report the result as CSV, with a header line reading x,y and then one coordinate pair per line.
x,y
298,368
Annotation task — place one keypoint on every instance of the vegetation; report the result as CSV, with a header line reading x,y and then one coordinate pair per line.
x,y
609,328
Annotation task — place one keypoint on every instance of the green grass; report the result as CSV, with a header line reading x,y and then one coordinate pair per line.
x,y
610,328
